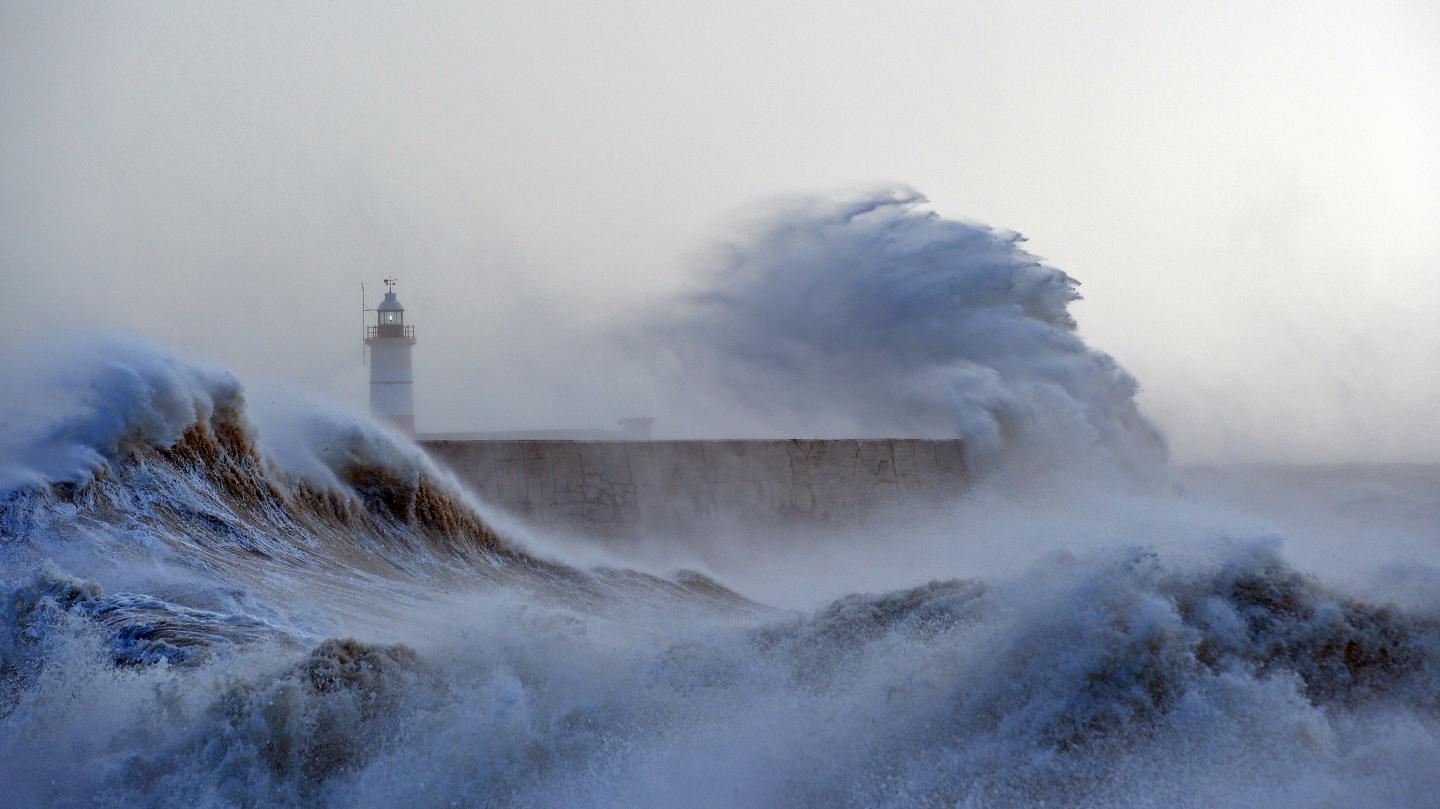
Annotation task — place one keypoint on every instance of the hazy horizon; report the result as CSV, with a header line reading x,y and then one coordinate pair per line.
x,y
1249,196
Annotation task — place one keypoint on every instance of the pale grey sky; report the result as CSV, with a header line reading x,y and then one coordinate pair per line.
x,y
1249,192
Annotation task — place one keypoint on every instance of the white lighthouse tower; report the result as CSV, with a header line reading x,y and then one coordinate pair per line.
x,y
392,385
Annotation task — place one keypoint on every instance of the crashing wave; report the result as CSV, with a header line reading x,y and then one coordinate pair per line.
x,y
167,448
952,693
176,451
866,314
344,628
162,466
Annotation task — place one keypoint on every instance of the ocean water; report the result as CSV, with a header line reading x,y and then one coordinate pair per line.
x,y
202,610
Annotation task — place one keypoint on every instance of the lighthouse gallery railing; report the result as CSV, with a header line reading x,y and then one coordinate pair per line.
x,y
389,330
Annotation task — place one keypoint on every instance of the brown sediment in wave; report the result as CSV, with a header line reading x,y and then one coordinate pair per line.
x,y
218,449
333,710
1344,651
389,506
1266,620
223,450
419,502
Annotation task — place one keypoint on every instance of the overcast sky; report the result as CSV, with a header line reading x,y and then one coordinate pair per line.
x,y
1248,192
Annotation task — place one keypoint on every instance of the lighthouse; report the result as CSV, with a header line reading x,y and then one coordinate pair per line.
x,y
392,385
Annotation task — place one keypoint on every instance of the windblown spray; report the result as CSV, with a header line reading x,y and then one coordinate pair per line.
x,y
870,315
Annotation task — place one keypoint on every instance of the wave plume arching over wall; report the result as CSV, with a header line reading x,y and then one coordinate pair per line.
x,y
865,314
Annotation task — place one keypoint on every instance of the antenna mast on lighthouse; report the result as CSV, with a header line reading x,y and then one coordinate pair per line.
x,y
392,385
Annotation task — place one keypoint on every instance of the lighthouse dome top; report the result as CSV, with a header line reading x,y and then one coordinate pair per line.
x,y
390,303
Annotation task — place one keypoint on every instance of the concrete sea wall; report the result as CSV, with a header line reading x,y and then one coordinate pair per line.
x,y
660,488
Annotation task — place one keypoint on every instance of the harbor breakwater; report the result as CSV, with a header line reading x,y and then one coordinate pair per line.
x,y
627,489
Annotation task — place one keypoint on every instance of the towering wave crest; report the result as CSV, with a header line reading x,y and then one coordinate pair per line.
x,y
149,439
105,402
867,315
